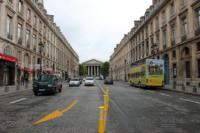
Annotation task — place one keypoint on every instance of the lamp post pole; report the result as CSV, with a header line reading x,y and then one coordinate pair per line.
x,y
41,46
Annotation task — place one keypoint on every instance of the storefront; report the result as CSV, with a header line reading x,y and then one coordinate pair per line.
x,y
7,70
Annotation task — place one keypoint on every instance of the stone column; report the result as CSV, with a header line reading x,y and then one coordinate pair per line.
x,y
91,70
95,71
88,70
98,71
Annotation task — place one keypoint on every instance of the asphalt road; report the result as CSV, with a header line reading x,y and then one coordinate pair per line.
x,y
75,110
135,110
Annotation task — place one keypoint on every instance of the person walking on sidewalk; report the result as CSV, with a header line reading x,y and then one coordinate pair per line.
x,y
22,80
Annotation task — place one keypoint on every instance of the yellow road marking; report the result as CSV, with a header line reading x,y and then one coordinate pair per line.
x,y
56,114
70,106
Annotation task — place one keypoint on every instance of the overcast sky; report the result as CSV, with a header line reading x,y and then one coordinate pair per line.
x,y
94,27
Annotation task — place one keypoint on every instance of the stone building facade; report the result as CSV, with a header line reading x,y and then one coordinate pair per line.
x,y
24,25
169,30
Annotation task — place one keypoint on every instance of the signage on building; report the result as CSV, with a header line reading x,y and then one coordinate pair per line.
x,y
7,58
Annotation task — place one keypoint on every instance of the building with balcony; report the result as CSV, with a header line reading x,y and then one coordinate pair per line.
x,y
24,25
169,30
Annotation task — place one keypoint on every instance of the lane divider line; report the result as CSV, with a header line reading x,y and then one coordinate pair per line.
x,y
17,101
188,100
56,114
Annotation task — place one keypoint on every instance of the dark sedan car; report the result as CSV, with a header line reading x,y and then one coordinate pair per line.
x,y
47,84
108,81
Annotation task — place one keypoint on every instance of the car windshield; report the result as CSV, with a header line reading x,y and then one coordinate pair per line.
x,y
90,78
46,78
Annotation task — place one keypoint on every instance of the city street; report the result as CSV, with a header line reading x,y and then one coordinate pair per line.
x,y
75,110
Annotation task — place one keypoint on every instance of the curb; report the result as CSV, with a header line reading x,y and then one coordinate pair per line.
x,y
184,92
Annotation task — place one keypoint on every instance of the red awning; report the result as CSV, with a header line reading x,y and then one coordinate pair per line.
x,y
7,58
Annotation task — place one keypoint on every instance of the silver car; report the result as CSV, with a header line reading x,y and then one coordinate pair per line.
x,y
89,81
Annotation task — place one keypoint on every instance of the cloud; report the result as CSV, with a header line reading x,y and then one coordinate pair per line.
x,y
93,27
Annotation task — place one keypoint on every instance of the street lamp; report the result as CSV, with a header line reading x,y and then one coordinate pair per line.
x,y
41,47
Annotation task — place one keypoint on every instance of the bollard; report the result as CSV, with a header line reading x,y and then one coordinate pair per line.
x,y
101,120
106,103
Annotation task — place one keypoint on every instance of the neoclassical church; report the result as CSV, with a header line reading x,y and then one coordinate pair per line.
x,y
93,67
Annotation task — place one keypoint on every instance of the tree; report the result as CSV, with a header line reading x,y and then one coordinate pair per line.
x,y
82,70
105,69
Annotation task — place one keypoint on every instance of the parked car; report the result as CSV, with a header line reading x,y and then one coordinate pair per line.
x,y
108,81
74,82
89,81
47,84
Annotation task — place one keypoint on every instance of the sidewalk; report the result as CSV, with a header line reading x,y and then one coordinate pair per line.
x,y
11,89
179,88
183,89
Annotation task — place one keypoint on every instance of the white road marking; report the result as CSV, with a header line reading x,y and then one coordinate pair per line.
x,y
19,100
189,100
163,94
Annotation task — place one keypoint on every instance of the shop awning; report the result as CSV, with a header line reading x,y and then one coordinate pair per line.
x,y
7,58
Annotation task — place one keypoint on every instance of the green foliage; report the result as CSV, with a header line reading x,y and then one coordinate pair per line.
x,y
105,69
82,70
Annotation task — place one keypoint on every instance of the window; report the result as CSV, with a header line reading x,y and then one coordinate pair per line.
x,y
35,20
184,26
173,34
172,8
9,27
182,2
163,17
174,54
10,1
164,39
187,69
20,6
7,50
28,15
198,63
28,37
34,40
157,23
19,33
198,46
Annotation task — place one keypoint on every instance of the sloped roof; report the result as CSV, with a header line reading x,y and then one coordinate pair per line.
x,y
92,62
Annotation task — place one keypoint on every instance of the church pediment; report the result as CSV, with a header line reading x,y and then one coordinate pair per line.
x,y
93,62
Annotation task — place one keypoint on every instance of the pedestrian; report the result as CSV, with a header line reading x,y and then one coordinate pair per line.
x,y
22,80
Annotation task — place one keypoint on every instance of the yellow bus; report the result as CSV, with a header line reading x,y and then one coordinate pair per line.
x,y
150,73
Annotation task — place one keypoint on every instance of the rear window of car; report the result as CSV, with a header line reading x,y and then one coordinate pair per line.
x,y
46,78
74,79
